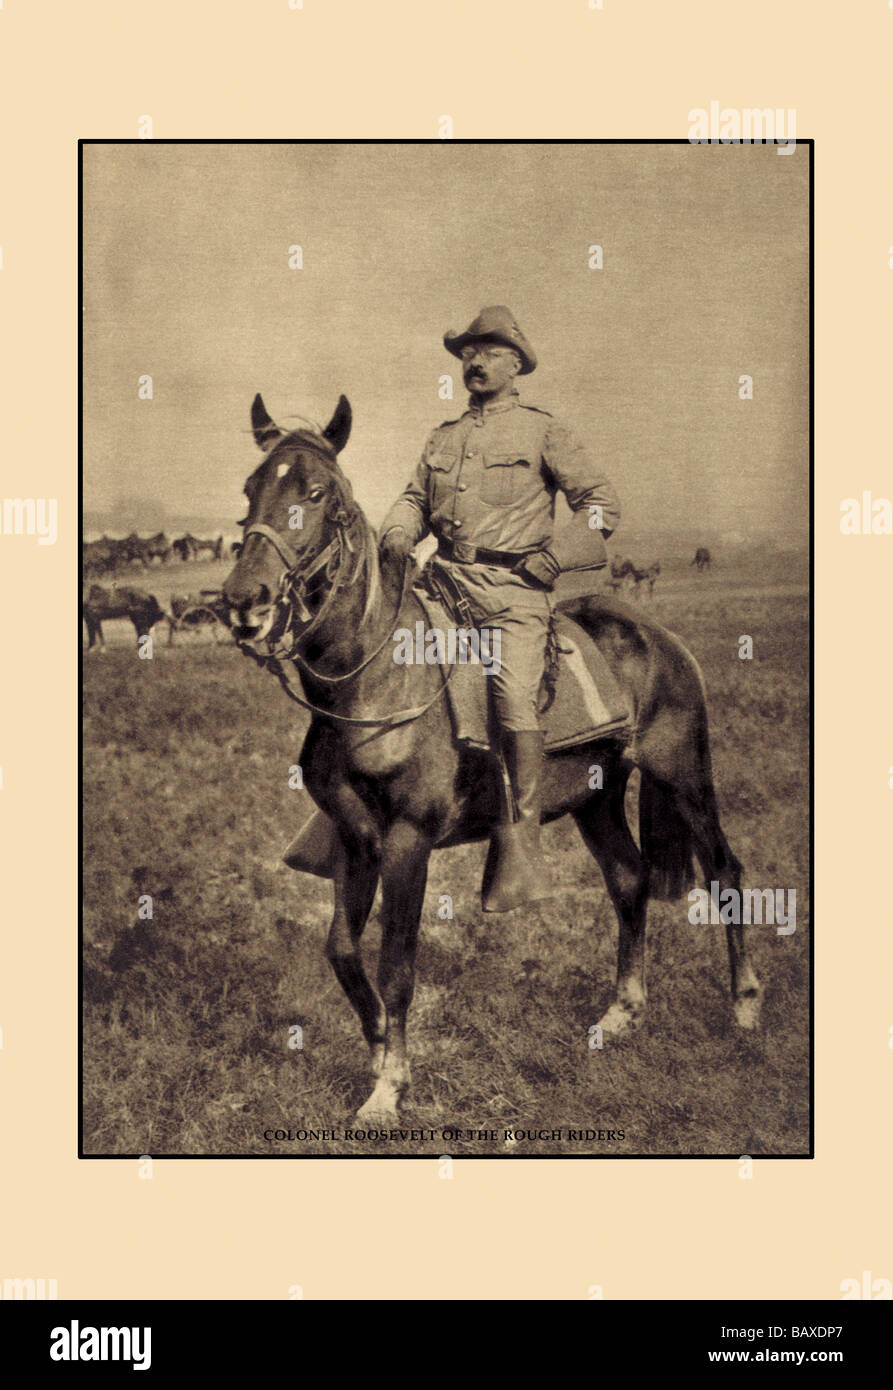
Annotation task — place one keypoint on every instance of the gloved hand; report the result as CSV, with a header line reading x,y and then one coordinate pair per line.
x,y
541,568
395,544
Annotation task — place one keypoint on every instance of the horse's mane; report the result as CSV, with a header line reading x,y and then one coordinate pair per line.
x,y
367,567
367,563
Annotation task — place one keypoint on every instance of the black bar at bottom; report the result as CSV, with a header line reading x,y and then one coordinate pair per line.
x,y
80,1336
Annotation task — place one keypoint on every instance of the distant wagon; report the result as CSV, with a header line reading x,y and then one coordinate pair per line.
x,y
206,609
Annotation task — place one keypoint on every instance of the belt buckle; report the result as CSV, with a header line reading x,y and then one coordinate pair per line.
x,y
464,552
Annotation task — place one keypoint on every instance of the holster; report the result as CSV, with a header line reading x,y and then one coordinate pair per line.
x,y
439,585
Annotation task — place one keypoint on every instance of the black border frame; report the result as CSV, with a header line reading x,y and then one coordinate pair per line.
x,y
427,1157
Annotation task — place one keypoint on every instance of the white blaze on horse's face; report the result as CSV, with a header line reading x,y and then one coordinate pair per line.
x,y
290,496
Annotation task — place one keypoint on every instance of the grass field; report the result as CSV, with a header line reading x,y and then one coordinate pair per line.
x,y
187,1016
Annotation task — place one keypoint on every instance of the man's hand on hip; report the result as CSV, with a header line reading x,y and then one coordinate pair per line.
x,y
541,568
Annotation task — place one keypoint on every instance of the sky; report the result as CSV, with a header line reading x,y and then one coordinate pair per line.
x,y
705,279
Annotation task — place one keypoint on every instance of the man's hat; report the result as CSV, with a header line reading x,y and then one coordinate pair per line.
x,y
496,322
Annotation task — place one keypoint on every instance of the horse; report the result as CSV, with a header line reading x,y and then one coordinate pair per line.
x,y
145,549
98,604
131,549
100,557
318,608
619,572
647,576
156,547
191,548
702,558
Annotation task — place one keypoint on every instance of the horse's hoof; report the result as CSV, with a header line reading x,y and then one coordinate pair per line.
x,y
620,1019
747,1012
374,1117
380,1110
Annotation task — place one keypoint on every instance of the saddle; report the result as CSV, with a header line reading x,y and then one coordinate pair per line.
x,y
580,700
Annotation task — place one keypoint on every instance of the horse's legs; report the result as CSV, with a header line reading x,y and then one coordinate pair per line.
x,y
720,865
355,883
602,822
404,871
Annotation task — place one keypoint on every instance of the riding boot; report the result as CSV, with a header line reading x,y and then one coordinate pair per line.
x,y
514,872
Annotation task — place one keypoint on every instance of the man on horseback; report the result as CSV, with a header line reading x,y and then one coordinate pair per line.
x,y
485,487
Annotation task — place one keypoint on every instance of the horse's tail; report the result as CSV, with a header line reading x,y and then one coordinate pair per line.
x,y
666,839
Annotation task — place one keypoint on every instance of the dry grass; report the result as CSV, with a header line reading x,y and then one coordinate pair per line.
x,y
186,1017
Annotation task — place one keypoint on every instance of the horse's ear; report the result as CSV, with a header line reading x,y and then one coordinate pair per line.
x,y
266,433
337,431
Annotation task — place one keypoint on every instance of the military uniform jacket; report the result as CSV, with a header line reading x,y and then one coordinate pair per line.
x,y
490,478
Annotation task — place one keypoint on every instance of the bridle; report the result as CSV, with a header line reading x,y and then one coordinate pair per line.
x,y
332,558
294,579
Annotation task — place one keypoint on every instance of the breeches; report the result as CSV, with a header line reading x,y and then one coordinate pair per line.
x,y
517,616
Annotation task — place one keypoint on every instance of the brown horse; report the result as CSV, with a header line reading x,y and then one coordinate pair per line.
x,y
191,548
99,604
645,576
156,547
379,759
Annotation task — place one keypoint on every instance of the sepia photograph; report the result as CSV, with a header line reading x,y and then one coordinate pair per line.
x,y
446,611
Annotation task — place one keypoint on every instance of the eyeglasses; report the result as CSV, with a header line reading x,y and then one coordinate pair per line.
x,y
482,349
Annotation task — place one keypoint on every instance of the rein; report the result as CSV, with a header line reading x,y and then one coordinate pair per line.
x,y
293,598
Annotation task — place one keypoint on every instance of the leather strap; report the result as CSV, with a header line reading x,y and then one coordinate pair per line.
x,y
481,556
286,553
381,721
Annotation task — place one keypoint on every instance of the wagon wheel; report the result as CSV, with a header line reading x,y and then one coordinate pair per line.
x,y
221,631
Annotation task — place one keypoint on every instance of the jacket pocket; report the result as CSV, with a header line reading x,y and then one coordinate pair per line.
x,y
441,464
504,478
442,460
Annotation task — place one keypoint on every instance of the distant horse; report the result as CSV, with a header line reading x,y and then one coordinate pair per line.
x,y
619,572
702,558
318,608
191,548
100,557
156,547
98,604
131,549
212,547
647,576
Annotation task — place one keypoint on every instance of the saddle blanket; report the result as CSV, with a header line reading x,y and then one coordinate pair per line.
x,y
588,702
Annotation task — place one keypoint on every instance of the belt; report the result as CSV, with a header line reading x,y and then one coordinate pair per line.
x,y
463,554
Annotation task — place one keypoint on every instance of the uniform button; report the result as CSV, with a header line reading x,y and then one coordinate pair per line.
x,y
462,487
457,524
469,453
479,424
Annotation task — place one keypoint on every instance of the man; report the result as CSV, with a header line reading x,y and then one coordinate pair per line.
x,y
486,486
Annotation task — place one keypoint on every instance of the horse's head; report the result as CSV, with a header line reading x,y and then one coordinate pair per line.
x,y
299,501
